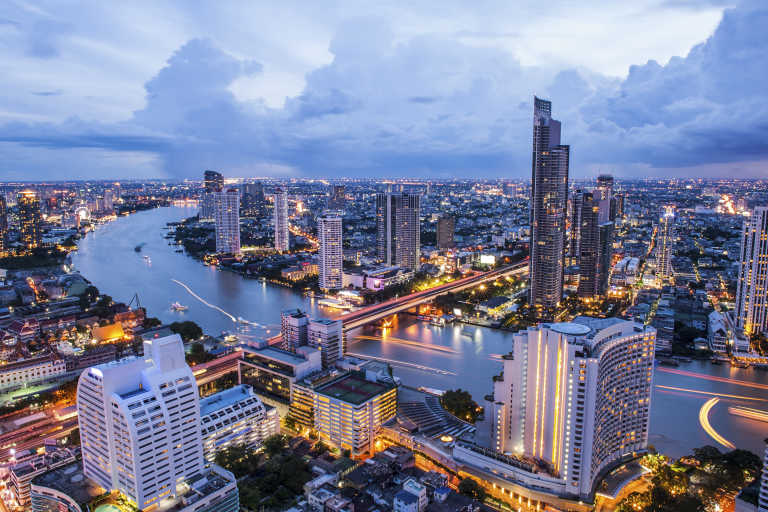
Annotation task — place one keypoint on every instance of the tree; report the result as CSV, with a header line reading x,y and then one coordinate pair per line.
x,y
188,330
197,354
459,403
150,322
275,444
470,487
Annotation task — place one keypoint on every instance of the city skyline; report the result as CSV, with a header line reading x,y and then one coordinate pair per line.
x,y
247,112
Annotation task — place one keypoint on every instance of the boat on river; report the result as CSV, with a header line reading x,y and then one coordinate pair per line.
x,y
178,307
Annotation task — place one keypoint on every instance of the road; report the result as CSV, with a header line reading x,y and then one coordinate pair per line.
x,y
376,312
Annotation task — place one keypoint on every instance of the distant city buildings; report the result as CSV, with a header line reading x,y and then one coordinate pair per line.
x,y
282,242
330,252
446,226
30,218
140,431
664,242
226,206
338,199
213,182
752,286
548,205
398,228
576,396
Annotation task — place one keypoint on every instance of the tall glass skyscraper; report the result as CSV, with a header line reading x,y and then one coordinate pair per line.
x,y
212,182
549,202
398,224
664,240
282,243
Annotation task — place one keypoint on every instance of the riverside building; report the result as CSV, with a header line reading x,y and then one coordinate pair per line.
x,y
330,252
573,400
752,293
226,205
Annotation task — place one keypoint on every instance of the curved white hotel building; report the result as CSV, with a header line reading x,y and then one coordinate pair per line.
x,y
572,402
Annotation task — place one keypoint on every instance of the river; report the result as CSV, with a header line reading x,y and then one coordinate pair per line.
x,y
421,354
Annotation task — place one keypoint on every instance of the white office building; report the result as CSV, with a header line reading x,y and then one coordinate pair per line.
x,y
235,416
752,293
139,422
282,242
327,336
331,256
575,396
226,206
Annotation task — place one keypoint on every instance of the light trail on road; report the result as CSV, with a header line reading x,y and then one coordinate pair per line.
x,y
748,412
710,393
408,342
704,420
714,378
212,306
403,363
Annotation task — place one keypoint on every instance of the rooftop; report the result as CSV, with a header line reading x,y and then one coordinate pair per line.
x,y
70,480
353,388
274,353
224,399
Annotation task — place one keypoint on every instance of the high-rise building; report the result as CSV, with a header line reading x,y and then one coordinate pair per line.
x,y
605,198
282,242
337,200
604,257
139,422
665,235
30,218
294,325
212,182
549,200
576,396
252,198
751,293
3,224
446,226
398,229
327,336
575,235
331,252
235,416
762,500
589,243
226,206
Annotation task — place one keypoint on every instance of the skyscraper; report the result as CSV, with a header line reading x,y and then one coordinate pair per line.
x,y
575,395
751,293
252,198
589,243
549,198
337,200
398,229
605,197
665,235
282,243
226,206
575,238
30,218
139,422
446,226
3,224
604,257
326,335
212,182
762,500
330,253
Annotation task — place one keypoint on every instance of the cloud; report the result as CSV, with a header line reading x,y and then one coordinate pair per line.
x,y
435,105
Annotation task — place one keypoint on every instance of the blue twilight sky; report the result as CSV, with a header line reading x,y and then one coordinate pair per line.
x,y
383,88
